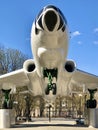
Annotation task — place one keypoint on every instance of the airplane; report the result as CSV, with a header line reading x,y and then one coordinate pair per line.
x,y
50,73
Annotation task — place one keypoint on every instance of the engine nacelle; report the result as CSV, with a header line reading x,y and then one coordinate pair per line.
x,y
34,85
69,67
29,66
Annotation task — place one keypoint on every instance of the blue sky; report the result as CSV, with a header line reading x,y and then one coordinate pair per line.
x,y
16,17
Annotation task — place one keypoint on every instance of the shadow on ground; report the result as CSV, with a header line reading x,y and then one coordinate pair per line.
x,y
44,125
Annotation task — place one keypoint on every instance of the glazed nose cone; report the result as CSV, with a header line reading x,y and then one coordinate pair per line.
x,y
50,20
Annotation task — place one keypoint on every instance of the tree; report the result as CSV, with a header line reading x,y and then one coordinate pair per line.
x,y
15,59
11,60
3,61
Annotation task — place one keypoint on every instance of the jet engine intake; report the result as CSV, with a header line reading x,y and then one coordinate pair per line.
x,y
29,65
70,67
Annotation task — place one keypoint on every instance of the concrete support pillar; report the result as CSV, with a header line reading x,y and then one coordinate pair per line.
x,y
96,111
12,116
5,118
93,118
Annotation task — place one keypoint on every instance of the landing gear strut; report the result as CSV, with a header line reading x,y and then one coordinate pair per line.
x,y
51,87
49,73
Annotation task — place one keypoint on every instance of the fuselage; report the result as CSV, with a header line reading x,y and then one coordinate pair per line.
x,y
49,42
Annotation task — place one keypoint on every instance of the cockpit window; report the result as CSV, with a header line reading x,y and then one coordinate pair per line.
x,y
51,6
39,14
39,19
58,10
62,16
63,28
40,22
50,22
61,23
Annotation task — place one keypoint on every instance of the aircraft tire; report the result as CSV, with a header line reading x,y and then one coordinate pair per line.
x,y
54,88
47,90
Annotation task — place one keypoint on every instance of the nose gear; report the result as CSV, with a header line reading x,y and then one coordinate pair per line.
x,y
50,86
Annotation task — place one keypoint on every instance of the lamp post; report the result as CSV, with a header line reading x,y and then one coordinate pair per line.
x,y
49,112
80,105
27,108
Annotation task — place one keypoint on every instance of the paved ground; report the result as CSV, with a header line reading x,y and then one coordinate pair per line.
x,y
55,124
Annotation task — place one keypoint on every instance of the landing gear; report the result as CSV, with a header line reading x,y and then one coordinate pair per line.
x,y
47,89
51,87
54,89
50,74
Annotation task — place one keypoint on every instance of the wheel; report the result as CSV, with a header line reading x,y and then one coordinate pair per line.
x,y
47,90
54,88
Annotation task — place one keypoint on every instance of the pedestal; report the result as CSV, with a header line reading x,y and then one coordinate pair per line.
x,y
12,116
96,111
5,118
93,118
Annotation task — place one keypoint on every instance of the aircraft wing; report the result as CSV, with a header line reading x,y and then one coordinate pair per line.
x,y
17,78
24,77
81,77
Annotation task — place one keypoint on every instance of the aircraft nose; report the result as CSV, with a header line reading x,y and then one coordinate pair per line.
x,y
50,20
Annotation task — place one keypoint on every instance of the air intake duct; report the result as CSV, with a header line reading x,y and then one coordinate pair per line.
x,y
29,66
69,67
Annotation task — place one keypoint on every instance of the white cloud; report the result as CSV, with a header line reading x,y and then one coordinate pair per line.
x,y
95,42
95,30
79,42
74,34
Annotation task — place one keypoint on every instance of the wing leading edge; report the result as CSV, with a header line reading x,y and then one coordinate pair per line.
x,y
81,77
18,78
